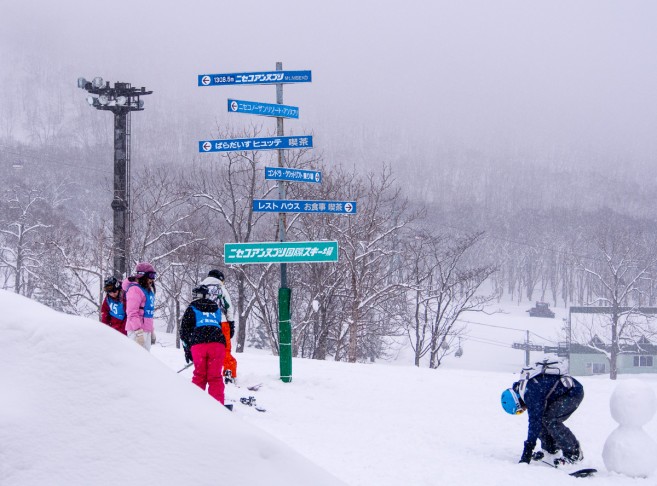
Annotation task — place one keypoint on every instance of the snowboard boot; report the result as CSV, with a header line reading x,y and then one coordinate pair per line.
x,y
547,456
228,377
570,457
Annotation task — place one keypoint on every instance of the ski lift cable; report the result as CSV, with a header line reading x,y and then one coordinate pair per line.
x,y
543,338
491,325
489,344
485,339
510,329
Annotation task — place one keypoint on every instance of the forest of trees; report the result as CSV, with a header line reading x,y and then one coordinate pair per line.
x,y
421,251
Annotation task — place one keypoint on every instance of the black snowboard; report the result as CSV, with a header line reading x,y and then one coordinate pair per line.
x,y
584,473
580,473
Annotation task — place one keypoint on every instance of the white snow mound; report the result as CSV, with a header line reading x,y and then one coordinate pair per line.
x,y
82,405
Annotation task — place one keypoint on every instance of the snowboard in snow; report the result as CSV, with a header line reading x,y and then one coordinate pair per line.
x,y
580,473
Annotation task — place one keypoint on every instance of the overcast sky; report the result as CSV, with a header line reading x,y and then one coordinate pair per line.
x,y
505,75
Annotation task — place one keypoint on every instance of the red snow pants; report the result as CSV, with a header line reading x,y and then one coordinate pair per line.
x,y
208,359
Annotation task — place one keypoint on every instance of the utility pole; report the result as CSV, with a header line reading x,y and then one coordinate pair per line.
x,y
527,346
121,99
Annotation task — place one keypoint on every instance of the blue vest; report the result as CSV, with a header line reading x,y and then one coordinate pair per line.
x,y
116,308
149,305
207,318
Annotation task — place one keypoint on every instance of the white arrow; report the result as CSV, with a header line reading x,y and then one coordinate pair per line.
x,y
207,146
348,207
205,80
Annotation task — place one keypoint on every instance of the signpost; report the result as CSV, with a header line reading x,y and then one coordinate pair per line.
x,y
293,175
298,206
267,143
281,252
287,252
264,109
259,77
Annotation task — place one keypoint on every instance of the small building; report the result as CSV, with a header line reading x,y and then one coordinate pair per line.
x,y
591,359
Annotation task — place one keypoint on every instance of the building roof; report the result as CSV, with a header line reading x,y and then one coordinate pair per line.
x,y
597,346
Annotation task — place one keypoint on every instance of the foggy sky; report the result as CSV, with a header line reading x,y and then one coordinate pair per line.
x,y
567,76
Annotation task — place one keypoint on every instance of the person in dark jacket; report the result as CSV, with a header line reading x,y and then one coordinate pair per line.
x,y
550,399
112,311
204,343
218,292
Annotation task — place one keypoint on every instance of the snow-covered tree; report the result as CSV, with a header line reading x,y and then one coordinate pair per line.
x,y
443,286
624,259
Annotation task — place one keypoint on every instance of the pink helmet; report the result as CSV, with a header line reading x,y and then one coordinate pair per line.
x,y
144,267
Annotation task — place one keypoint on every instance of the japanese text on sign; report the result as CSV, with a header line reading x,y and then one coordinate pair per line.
x,y
270,143
305,251
263,109
294,175
294,206
262,77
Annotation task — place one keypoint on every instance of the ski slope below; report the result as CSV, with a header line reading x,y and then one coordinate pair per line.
x,y
83,405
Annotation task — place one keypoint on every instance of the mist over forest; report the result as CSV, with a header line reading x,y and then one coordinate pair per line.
x,y
519,136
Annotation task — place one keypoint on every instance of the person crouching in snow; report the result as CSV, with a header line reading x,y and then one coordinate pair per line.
x,y
140,304
218,292
204,342
112,311
550,399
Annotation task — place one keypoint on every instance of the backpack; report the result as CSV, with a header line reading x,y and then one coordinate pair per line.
x,y
549,366
216,293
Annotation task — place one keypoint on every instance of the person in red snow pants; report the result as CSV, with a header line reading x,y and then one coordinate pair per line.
x,y
204,343
208,360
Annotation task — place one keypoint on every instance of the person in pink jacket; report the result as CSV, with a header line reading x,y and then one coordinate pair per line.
x,y
140,304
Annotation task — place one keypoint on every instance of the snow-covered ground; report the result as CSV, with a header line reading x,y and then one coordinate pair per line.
x,y
83,405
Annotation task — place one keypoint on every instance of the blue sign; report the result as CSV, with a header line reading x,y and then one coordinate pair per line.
x,y
294,175
245,144
260,77
294,206
264,109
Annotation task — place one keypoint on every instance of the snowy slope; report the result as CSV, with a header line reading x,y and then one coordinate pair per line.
x,y
82,405
384,425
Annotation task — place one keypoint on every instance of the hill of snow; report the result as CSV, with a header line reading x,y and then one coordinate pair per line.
x,y
83,405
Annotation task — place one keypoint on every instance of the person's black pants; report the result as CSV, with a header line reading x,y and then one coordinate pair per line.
x,y
554,434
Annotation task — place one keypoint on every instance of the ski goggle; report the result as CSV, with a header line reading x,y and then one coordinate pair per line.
x,y
151,275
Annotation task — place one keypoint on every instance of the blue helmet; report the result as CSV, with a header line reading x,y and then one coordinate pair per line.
x,y
511,402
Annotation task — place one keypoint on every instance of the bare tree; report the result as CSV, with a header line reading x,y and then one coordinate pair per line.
x,y
443,287
22,225
624,259
368,254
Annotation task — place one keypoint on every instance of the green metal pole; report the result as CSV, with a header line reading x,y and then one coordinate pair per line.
x,y
284,293
285,334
